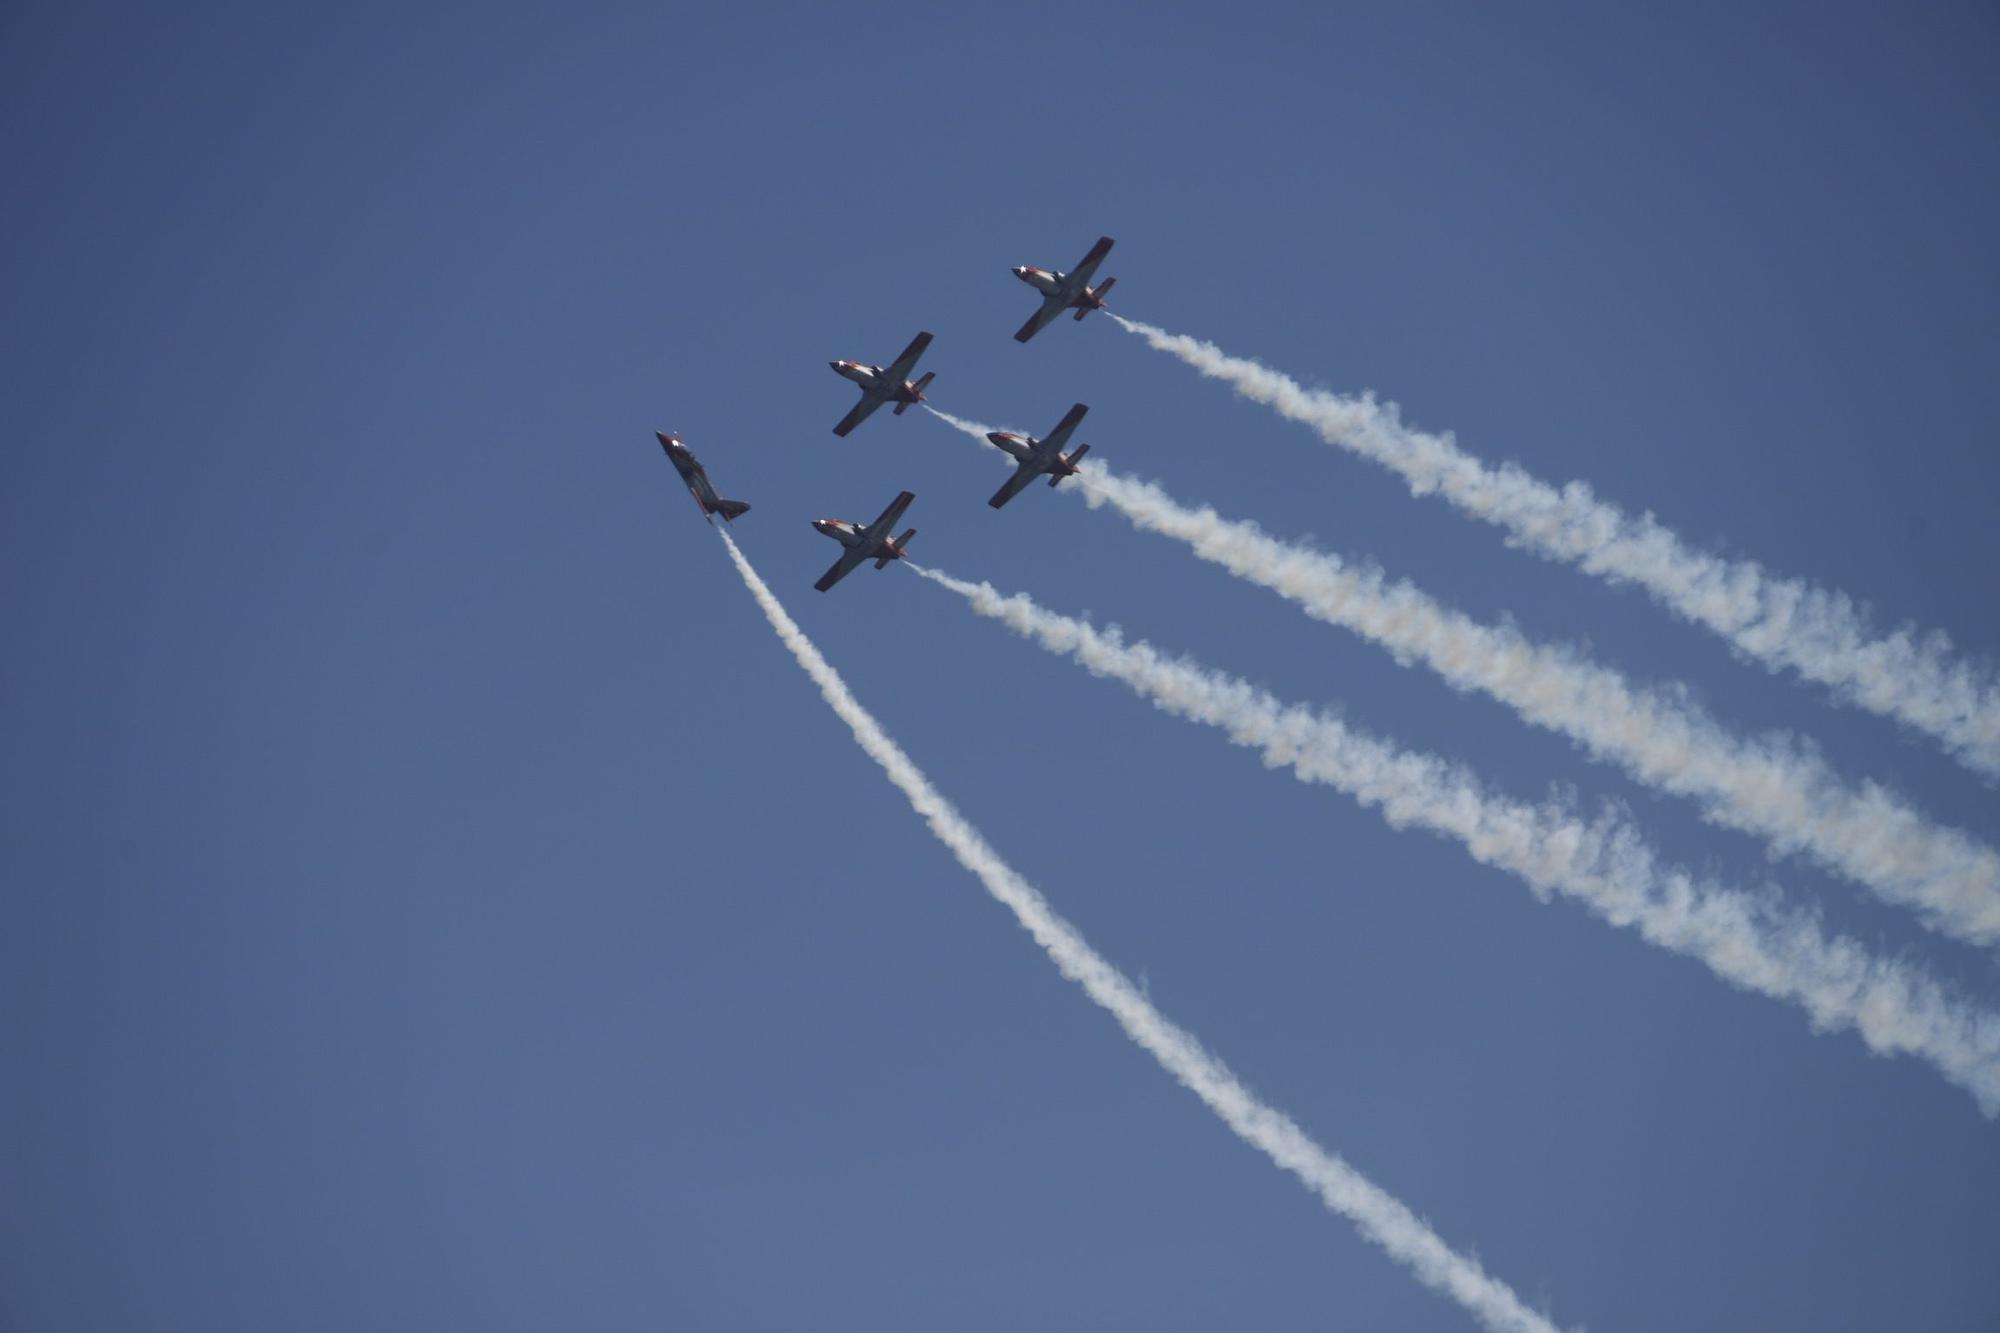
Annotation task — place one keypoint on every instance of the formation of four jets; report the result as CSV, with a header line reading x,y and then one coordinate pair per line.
x,y
891,384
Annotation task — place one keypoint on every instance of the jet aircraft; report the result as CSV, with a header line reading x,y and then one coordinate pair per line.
x,y
863,544
881,385
1065,291
696,477
1038,456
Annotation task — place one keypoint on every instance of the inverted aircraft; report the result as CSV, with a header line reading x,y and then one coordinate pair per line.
x,y
1035,457
696,477
1065,291
863,544
884,384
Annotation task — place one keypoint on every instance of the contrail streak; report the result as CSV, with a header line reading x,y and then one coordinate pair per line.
x,y
1745,939
1784,623
1377,1215
1771,786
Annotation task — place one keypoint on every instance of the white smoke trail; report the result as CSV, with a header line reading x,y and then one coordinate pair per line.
x,y
1748,940
1784,623
1377,1215
1773,786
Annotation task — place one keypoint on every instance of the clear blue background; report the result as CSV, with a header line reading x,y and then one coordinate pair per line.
x,y
434,900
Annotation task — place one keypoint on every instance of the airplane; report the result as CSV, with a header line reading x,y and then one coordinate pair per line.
x,y
863,544
1065,291
696,477
1039,456
881,385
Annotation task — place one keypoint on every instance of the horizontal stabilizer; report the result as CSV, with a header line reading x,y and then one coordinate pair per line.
x,y
1098,302
730,509
918,387
1075,457
897,548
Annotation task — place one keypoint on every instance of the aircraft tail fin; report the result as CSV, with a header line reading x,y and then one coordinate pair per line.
x,y
730,509
902,544
1075,457
903,407
1100,291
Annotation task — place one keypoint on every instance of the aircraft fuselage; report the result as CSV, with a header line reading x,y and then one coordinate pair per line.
x,y
865,376
847,534
1016,446
1051,283
872,380
693,473
1028,449
1045,281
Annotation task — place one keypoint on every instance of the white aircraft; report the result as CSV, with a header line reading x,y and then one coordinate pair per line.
x,y
1065,291
881,385
870,543
1039,456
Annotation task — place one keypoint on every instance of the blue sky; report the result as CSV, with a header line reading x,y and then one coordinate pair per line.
x,y
434,898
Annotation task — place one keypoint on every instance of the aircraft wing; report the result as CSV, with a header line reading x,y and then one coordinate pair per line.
x,y
870,400
700,503
880,527
1051,307
1078,278
907,362
850,560
1052,443
1023,474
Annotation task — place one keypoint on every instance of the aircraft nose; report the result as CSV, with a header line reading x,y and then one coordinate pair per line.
x,y
1020,270
836,364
